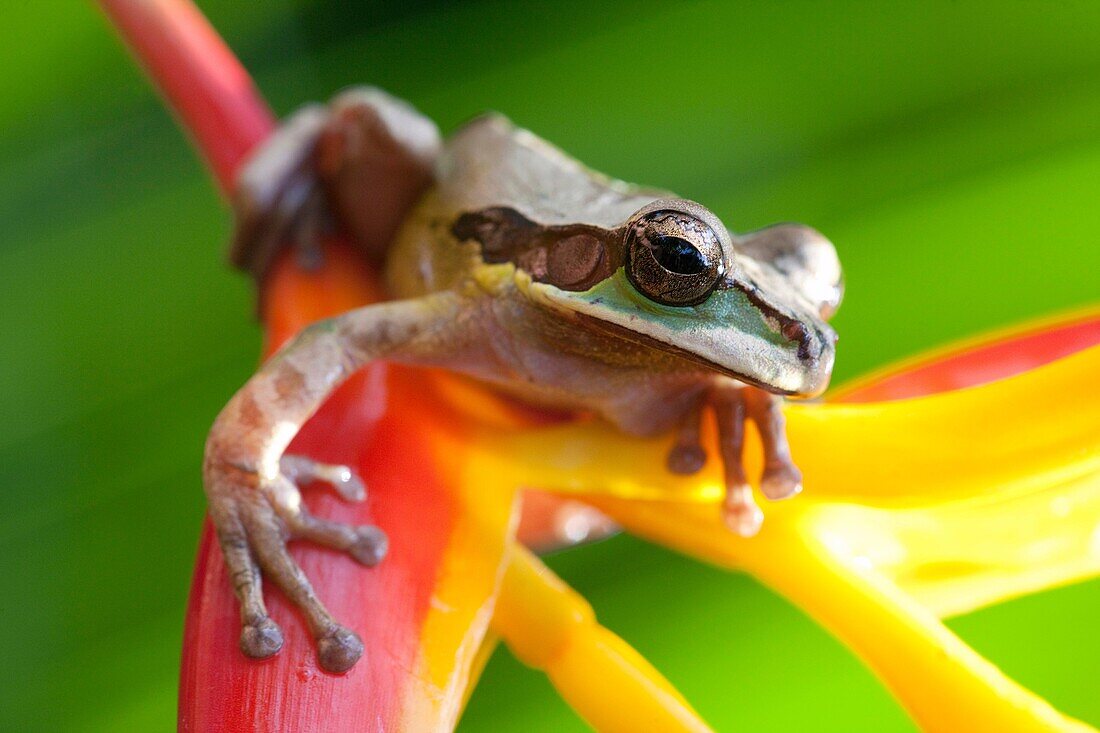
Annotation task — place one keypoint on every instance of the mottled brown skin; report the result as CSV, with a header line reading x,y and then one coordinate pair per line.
x,y
496,244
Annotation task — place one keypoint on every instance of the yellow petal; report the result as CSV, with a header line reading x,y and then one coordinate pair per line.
x,y
964,498
912,509
550,627
944,684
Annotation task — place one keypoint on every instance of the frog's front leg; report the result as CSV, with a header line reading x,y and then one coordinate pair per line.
x,y
733,404
781,478
360,162
252,487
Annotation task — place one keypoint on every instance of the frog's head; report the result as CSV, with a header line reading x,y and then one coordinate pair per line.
x,y
671,276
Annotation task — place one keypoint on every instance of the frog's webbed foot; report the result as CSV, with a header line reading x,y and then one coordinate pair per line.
x,y
255,519
732,405
359,162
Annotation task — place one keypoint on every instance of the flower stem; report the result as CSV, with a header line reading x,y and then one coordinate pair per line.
x,y
200,78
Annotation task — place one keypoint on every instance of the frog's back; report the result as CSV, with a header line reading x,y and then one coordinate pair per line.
x,y
491,163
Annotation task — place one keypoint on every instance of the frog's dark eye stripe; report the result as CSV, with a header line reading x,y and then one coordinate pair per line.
x,y
672,257
570,257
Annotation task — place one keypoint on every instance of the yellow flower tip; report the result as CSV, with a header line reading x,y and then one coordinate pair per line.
x,y
552,628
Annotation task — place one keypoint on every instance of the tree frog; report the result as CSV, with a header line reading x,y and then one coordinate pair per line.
x,y
512,263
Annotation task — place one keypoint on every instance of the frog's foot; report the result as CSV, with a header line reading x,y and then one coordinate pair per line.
x,y
254,520
733,404
361,162
278,198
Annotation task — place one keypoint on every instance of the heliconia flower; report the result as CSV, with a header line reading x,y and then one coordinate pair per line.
x,y
919,509
942,485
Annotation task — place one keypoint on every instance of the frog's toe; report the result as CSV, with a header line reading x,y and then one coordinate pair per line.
x,y
686,458
370,545
687,455
739,509
260,636
741,512
366,543
781,481
301,470
339,649
261,639
781,478
346,482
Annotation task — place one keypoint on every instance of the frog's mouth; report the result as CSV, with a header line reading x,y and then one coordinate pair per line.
x,y
740,330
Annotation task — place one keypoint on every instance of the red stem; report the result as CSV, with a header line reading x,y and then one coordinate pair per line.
x,y
200,78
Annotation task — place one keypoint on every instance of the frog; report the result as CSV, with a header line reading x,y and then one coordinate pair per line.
x,y
513,264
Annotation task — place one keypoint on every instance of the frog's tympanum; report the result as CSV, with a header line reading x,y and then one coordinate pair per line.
x,y
512,263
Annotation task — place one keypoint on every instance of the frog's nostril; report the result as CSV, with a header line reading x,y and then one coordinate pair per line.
x,y
797,331
825,346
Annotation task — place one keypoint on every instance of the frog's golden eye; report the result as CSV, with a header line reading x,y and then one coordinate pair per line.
x,y
672,257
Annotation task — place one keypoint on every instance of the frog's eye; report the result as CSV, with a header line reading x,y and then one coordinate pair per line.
x,y
672,257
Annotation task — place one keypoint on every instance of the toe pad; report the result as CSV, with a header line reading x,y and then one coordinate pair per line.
x,y
339,650
261,639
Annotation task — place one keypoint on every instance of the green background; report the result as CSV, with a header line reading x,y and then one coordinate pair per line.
x,y
951,150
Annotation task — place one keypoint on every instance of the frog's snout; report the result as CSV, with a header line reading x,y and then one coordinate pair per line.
x,y
818,352
815,344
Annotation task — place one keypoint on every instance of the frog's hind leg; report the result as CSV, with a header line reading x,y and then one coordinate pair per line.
x,y
376,156
277,197
360,163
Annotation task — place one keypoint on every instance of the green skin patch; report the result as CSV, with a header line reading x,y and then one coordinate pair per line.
x,y
726,331
728,308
